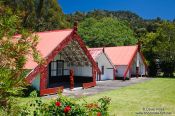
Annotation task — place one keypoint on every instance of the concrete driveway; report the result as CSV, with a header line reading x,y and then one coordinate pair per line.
x,y
101,87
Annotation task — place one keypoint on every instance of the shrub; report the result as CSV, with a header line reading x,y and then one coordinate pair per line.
x,y
28,90
13,54
33,94
64,106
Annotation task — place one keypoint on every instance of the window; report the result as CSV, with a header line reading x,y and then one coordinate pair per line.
x,y
56,68
102,70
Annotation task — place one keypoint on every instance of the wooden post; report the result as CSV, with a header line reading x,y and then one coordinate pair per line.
x,y
99,76
43,79
129,74
71,79
137,72
94,75
114,74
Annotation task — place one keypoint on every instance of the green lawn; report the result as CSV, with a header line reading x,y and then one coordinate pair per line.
x,y
157,93
127,101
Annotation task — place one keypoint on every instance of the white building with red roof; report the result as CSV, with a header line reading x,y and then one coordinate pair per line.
x,y
104,64
127,61
68,62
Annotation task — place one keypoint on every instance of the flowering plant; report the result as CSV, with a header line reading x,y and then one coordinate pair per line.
x,y
67,109
58,104
64,106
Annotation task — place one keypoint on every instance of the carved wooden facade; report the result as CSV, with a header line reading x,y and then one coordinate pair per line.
x,y
74,51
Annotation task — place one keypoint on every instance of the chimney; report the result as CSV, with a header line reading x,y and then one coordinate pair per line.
x,y
75,26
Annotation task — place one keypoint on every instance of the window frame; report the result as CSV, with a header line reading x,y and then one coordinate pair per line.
x,y
50,68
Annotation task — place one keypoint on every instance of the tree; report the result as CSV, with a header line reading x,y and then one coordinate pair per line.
x,y
135,21
14,52
38,15
106,32
161,45
77,16
166,47
148,47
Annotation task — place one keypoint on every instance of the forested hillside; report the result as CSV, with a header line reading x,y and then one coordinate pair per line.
x,y
106,32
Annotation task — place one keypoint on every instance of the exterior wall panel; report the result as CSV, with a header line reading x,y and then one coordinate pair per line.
x,y
85,71
121,70
138,61
108,68
36,82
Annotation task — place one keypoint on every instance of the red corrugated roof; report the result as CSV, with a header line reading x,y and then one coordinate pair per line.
x,y
95,52
48,41
121,55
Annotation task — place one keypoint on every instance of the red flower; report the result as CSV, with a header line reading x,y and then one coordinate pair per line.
x,y
99,114
58,104
67,109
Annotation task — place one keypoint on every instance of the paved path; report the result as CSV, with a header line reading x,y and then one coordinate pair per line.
x,y
101,87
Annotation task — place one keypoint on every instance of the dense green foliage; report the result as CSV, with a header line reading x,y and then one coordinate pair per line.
x,y
166,40
13,54
106,32
161,45
38,15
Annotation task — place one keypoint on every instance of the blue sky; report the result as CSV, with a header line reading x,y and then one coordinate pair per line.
x,y
147,9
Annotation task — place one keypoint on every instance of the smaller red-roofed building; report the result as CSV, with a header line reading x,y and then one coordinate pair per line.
x,y
68,62
128,61
104,64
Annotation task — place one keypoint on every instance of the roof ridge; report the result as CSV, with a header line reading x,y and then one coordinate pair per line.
x,y
54,31
121,46
111,47
47,31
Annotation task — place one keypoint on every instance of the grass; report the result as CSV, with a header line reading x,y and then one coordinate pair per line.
x,y
127,101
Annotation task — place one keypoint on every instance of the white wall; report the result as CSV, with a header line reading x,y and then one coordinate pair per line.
x,y
36,82
133,67
141,66
78,70
83,71
121,70
108,68
138,61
